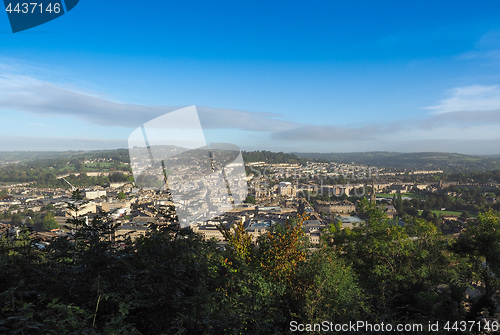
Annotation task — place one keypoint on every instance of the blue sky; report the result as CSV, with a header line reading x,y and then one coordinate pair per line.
x,y
317,76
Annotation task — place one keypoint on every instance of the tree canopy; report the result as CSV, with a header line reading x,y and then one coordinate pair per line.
x,y
171,281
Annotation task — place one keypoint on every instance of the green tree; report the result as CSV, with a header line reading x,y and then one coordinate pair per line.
x,y
398,267
479,246
49,222
283,249
4,194
48,207
250,200
332,290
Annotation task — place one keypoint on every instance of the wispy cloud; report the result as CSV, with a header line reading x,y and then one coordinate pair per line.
x,y
331,133
27,94
486,49
465,146
469,98
14,143
31,95
474,108
489,41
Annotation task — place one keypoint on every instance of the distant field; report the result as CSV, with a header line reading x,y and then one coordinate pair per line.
x,y
407,195
101,164
443,213
106,166
384,195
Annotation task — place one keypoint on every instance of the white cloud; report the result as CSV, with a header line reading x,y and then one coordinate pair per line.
x,y
27,94
486,49
468,99
464,146
331,133
489,41
471,111
21,143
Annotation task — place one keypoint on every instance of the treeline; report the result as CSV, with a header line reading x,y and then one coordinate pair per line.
x,y
173,282
120,155
271,157
453,198
474,177
83,180
45,171
49,180
39,221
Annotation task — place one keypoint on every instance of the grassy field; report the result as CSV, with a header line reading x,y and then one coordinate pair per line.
x,y
443,213
403,195
101,164
106,166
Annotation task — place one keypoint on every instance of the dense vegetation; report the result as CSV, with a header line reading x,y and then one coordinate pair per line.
x,y
271,157
39,221
173,282
29,156
44,172
475,177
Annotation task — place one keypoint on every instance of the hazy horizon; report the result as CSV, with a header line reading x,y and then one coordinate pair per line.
x,y
287,152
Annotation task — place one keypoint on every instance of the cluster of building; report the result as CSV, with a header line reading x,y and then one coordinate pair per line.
x,y
280,191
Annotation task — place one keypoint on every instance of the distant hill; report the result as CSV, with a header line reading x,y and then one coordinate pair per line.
x,y
448,162
7,157
271,157
122,155
42,168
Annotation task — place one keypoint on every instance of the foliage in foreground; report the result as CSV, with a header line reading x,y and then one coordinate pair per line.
x,y
173,282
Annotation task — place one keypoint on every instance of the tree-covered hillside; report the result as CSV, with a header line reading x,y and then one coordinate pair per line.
x,y
271,157
43,172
